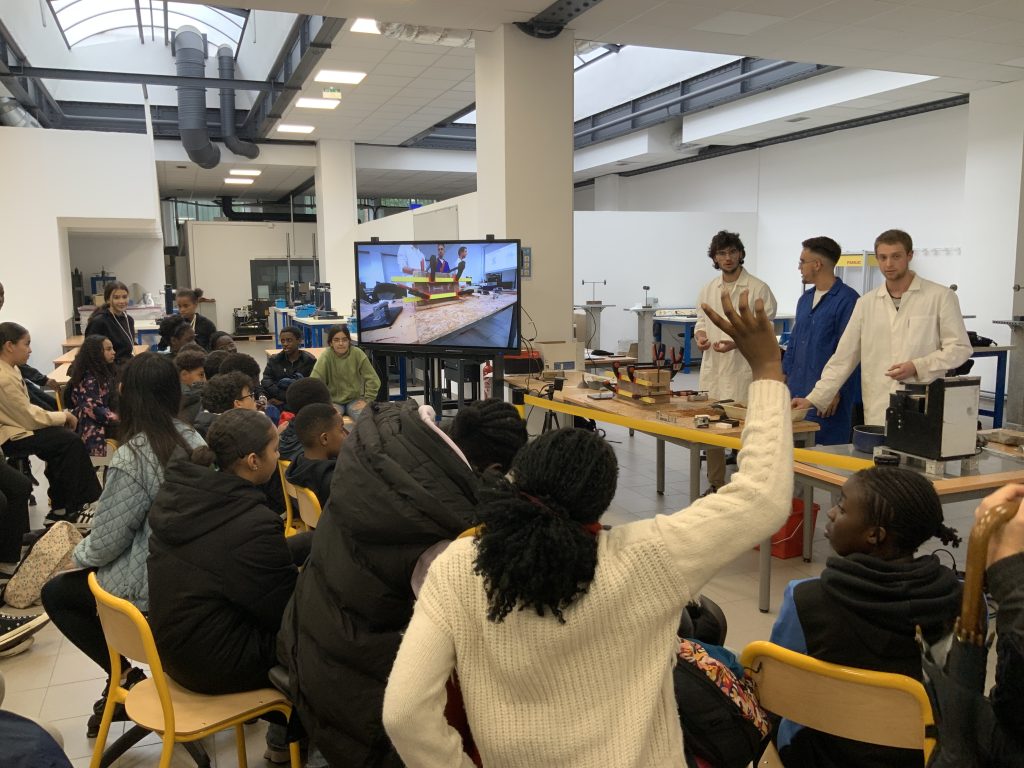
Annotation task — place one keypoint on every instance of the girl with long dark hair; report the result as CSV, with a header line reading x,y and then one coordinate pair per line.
x,y
118,546
113,321
563,634
91,392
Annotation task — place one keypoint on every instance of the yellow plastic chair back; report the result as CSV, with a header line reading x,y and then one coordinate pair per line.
x,y
309,506
874,707
161,705
292,524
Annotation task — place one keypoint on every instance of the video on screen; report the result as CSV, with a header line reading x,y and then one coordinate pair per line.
x,y
455,295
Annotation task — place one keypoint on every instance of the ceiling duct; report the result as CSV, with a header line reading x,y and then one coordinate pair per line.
x,y
227,207
412,33
226,64
189,51
14,115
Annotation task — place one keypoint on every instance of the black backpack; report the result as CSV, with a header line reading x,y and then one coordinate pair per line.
x,y
723,724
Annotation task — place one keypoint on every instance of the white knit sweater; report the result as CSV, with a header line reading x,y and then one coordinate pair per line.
x,y
597,690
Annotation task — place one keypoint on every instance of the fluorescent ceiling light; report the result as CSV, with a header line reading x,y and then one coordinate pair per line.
x,y
287,128
339,76
244,172
236,180
309,103
367,26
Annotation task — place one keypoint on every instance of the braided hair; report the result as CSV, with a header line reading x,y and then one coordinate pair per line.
x,y
533,550
489,433
906,505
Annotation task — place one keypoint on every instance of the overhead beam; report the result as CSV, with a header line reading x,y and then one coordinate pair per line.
x,y
139,78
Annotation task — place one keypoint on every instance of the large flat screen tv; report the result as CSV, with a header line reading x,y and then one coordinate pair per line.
x,y
459,296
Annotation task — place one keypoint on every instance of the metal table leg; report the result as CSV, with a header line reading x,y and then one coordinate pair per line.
x,y
694,471
660,466
764,583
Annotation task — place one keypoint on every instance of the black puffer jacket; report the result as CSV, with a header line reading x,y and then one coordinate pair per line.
x,y
220,575
120,331
398,489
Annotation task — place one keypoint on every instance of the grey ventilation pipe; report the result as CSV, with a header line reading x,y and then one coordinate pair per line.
x,y
190,61
414,33
227,207
14,115
226,64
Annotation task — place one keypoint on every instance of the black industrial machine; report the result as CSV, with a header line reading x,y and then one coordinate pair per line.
x,y
936,421
251,320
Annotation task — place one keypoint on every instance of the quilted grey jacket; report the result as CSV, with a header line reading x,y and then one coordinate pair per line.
x,y
119,543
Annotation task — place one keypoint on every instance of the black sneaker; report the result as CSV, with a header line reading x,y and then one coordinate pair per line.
x,y
711,489
92,728
14,630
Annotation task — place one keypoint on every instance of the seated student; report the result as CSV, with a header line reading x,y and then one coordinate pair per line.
x,y
213,361
347,372
220,571
863,609
239,361
187,301
35,380
220,340
287,366
175,332
91,392
321,430
299,395
192,375
118,546
522,611
28,430
402,488
222,393
15,491
113,321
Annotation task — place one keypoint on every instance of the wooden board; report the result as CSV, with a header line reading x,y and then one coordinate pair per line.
x,y
72,341
424,324
70,355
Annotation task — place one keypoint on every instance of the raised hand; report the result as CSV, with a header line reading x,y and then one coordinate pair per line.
x,y
753,334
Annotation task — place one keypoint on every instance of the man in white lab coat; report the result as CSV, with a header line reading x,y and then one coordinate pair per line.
x,y
908,330
723,371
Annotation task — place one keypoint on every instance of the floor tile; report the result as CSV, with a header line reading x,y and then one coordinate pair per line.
x,y
28,670
70,699
25,703
73,666
73,731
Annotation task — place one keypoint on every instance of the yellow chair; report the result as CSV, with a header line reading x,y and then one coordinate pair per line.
x,y
291,524
309,506
161,705
874,707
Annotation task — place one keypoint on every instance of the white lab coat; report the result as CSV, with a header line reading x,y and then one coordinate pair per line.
x,y
410,257
928,330
726,375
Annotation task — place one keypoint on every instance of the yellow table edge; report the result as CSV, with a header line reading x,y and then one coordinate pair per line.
x,y
665,429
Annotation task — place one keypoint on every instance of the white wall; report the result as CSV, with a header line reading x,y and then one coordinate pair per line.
x,y
220,252
137,261
51,185
849,185
667,251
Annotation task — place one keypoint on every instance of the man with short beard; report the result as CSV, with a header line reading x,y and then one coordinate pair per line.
x,y
723,371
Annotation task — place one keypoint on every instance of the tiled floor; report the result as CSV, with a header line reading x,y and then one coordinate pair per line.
x,y
53,681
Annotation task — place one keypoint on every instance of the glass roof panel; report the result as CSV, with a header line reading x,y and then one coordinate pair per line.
x,y
87,19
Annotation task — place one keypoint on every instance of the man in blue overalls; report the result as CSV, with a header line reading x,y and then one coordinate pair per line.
x,y
821,316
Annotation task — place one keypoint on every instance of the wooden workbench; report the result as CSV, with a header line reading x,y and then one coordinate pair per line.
x,y
573,400
72,341
69,356
424,324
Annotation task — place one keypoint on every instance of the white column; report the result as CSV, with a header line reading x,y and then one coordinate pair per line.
x,y
524,89
336,218
994,224
606,192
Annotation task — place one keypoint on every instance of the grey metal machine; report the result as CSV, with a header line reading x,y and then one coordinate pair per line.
x,y
929,424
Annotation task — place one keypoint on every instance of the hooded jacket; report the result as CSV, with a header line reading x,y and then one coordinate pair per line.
x,y
315,474
862,612
398,489
220,575
290,447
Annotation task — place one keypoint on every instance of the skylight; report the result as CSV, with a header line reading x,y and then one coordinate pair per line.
x,y
88,21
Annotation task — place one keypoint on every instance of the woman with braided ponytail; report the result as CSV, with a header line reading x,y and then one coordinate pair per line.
x,y
864,609
545,615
